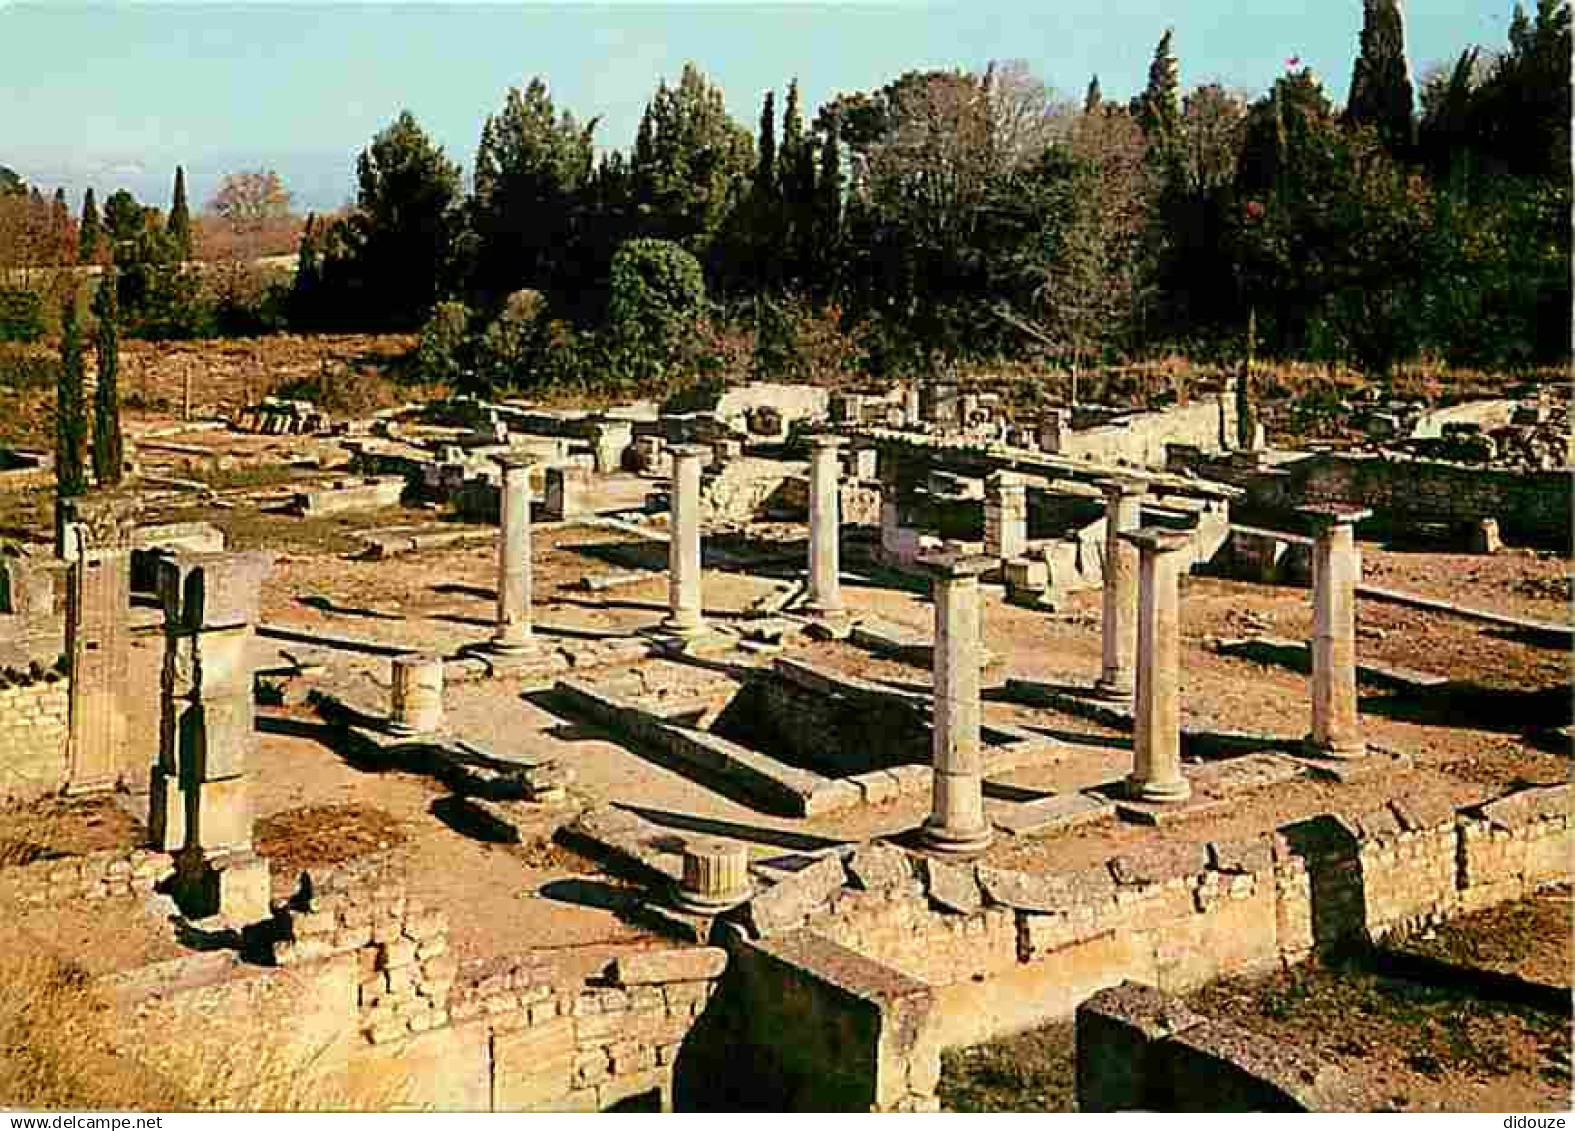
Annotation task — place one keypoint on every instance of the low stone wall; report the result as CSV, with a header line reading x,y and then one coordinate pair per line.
x,y
1208,423
1005,951
35,710
97,875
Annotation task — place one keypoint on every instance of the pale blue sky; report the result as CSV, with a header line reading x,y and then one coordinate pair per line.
x,y
115,94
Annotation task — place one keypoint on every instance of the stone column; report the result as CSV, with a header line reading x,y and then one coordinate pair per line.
x,y
1337,565
825,529
1005,516
416,695
201,797
1118,624
716,877
514,627
684,615
567,493
98,530
956,823
1156,742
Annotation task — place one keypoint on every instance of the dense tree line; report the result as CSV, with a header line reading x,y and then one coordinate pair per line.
x,y
952,216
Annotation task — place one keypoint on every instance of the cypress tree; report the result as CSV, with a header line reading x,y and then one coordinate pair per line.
x,y
1381,93
766,168
179,223
789,156
70,413
828,206
1159,106
1093,99
108,449
89,230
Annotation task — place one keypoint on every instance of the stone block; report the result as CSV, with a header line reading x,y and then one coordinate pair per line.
x,y
214,737
953,886
221,814
1118,1068
879,867
691,964
206,591
785,904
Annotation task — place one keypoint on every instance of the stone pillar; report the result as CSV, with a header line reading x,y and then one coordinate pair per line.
x,y
1053,426
1337,565
911,411
98,529
1156,742
567,493
716,876
1005,516
201,796
825,529
416,695
514,627
956,823
1118,624
683,588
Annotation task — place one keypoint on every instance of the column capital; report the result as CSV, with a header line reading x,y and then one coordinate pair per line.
x,y
953,566
1158,539
689,451
826,441
1322,516
1122,486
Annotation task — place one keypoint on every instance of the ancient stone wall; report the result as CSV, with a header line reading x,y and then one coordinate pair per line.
x,y
1208,423
34,724
94,876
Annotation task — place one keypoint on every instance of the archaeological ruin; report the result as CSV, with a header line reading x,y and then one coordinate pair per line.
x,y
784,752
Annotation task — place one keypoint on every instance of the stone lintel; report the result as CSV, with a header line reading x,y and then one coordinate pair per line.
x,y
690,451
952,566
1122,485
1158,539
1333,514
826,440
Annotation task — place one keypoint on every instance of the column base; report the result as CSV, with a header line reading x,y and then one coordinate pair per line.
x,y
684,626
1159,792
83,787
234,886
823,610
1114,689
512,647
1342,749
696,904
956,842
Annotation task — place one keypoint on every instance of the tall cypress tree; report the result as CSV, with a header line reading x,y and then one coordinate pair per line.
x,y
791,151
766,167
70,411
1381,92
89,231
828,208
179,223
108,448
1159,106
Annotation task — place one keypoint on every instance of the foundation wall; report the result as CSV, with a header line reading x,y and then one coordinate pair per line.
x,y
34,724
1208,423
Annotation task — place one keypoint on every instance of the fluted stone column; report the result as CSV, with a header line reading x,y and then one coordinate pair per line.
x,y
416,695
1337,567
1156,744
824,598
683,563
1005,516
956,823
98,529
1118,623
716,876
514,625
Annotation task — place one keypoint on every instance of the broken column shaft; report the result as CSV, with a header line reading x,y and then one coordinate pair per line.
x,y
1156,743
1118,622
416,695
956,823
683,592
1337,566
514,580
1005,516
824,598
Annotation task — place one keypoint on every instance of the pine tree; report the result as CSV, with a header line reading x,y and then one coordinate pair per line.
x,y
108,449
178,226
1381,93
1093,99
1159,106
766,167
89,230
70,412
